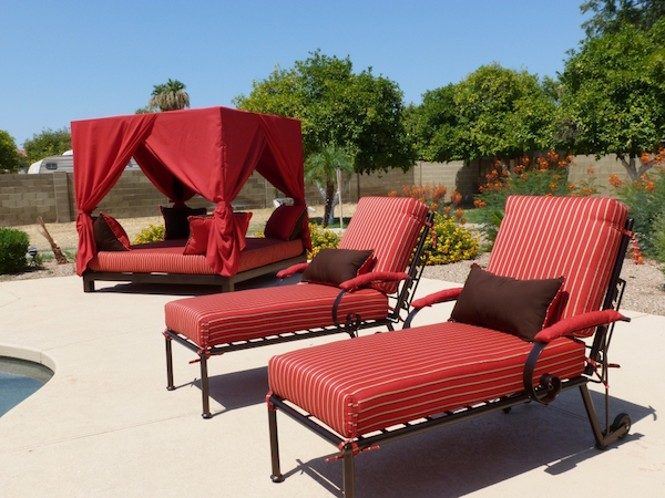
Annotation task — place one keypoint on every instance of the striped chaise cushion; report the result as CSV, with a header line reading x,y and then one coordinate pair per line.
x,y
250,314
390,226
574,237
377,381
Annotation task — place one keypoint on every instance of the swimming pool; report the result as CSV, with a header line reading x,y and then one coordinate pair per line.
x,y
18,380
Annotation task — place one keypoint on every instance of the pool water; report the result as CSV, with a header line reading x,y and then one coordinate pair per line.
x,y
18,380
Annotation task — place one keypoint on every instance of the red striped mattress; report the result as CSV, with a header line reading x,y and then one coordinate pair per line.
x,y
167,257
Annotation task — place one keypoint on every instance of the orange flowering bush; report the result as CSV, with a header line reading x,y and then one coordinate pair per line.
x,y
646,199
544,175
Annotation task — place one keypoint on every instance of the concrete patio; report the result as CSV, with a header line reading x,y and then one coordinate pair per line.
x,y
105,425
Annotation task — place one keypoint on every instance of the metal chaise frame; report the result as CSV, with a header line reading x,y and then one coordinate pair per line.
x,y
549,387
401,301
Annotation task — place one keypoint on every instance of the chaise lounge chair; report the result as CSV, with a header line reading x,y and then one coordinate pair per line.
x,y
395,230
427,376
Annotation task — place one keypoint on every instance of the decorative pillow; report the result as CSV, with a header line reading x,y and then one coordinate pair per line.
x,y
334,266
109,234
242,222
199,228
506,304
176,220
285,223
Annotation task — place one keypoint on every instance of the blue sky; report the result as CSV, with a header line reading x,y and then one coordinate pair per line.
x,y
65,60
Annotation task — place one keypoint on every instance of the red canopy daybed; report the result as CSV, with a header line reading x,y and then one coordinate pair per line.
x,y
211,152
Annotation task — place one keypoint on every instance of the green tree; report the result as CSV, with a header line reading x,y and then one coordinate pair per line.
x,y
613,96
11,160
494,113
360,112
47,143
321,167
169,96
610,16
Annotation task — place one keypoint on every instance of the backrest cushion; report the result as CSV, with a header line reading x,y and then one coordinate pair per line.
x,y
549,237
285,223
388,226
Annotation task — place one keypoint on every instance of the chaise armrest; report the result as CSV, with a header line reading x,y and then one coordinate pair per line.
x,y
371,277
437,297
292,270
580,322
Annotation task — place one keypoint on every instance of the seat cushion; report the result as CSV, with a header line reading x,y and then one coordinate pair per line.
x,y
373,382
250,314
388,226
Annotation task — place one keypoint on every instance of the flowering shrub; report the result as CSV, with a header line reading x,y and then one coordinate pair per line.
x,y
448,242
151,233
322,238
646,199
433,197
546,175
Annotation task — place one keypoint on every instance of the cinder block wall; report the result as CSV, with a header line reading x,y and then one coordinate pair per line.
x,y
25,197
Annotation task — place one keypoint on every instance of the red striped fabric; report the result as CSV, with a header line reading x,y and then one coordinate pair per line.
x,y
168,257
389,226
376,381
549,237
250,314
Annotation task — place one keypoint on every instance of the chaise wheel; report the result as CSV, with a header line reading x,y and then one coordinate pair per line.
x,y
507,409
170,388
206,416
276,479
622,423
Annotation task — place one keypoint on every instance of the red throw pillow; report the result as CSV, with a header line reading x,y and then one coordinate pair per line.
x,y
285,223
176,222
199,228
116,231
242,223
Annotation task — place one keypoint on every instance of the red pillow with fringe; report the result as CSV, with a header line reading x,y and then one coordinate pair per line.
x,y
118,232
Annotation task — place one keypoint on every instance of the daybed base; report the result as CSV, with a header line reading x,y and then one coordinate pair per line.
x,y
227,284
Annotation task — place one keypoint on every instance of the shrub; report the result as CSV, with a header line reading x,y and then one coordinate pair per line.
x,y
546,175
659,240
448,242
151,233
646,199
322,238
13,247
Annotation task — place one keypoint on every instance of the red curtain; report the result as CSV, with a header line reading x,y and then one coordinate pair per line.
x,y
102,148
211,152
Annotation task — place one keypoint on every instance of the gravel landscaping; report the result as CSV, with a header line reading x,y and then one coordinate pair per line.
x,y
645,284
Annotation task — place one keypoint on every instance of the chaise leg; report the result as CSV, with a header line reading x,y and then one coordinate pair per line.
x,y
349,491
205,393
276,475
228,285
169,364
618,430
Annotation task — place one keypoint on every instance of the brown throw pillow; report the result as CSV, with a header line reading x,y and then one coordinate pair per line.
x,y
176,220
505,304
105,238
334,266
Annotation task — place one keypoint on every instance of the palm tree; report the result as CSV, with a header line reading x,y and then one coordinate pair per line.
x,y
169,96
321,168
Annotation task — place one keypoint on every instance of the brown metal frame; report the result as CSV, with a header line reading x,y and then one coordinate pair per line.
x,y
350,324
547,390
227,284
